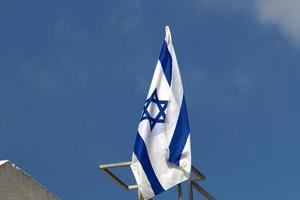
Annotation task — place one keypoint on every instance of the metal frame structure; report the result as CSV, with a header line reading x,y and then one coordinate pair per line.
x,y
192,182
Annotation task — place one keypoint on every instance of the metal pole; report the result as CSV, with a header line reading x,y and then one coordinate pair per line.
x,y
190,185
203,191
140,197
179,191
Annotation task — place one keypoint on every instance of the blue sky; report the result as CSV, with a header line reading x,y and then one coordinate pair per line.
x,y
74,76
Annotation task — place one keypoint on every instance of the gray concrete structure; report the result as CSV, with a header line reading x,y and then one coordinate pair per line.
x,y
15,184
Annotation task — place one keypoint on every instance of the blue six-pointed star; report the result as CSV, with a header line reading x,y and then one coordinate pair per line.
x,y
154,114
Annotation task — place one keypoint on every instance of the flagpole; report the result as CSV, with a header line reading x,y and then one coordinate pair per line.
x,y
140,197
190,183
179,191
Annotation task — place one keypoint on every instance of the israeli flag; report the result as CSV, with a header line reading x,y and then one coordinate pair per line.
x,y
162,150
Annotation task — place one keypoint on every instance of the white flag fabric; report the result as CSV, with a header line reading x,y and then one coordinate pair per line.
x,y
162,152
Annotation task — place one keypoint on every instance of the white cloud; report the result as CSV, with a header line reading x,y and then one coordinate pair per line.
x,y
284,14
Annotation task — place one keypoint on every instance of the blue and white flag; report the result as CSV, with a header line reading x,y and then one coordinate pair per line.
x,y
162,150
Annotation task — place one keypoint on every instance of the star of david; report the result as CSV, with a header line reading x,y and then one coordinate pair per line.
x,y
154,110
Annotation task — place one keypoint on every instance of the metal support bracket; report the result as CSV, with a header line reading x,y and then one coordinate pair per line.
x,y
192,182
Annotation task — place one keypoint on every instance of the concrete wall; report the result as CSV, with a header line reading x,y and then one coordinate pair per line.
x,y
17,185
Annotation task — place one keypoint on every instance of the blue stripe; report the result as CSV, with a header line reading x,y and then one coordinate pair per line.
x,y
180,135
166,62
141,153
